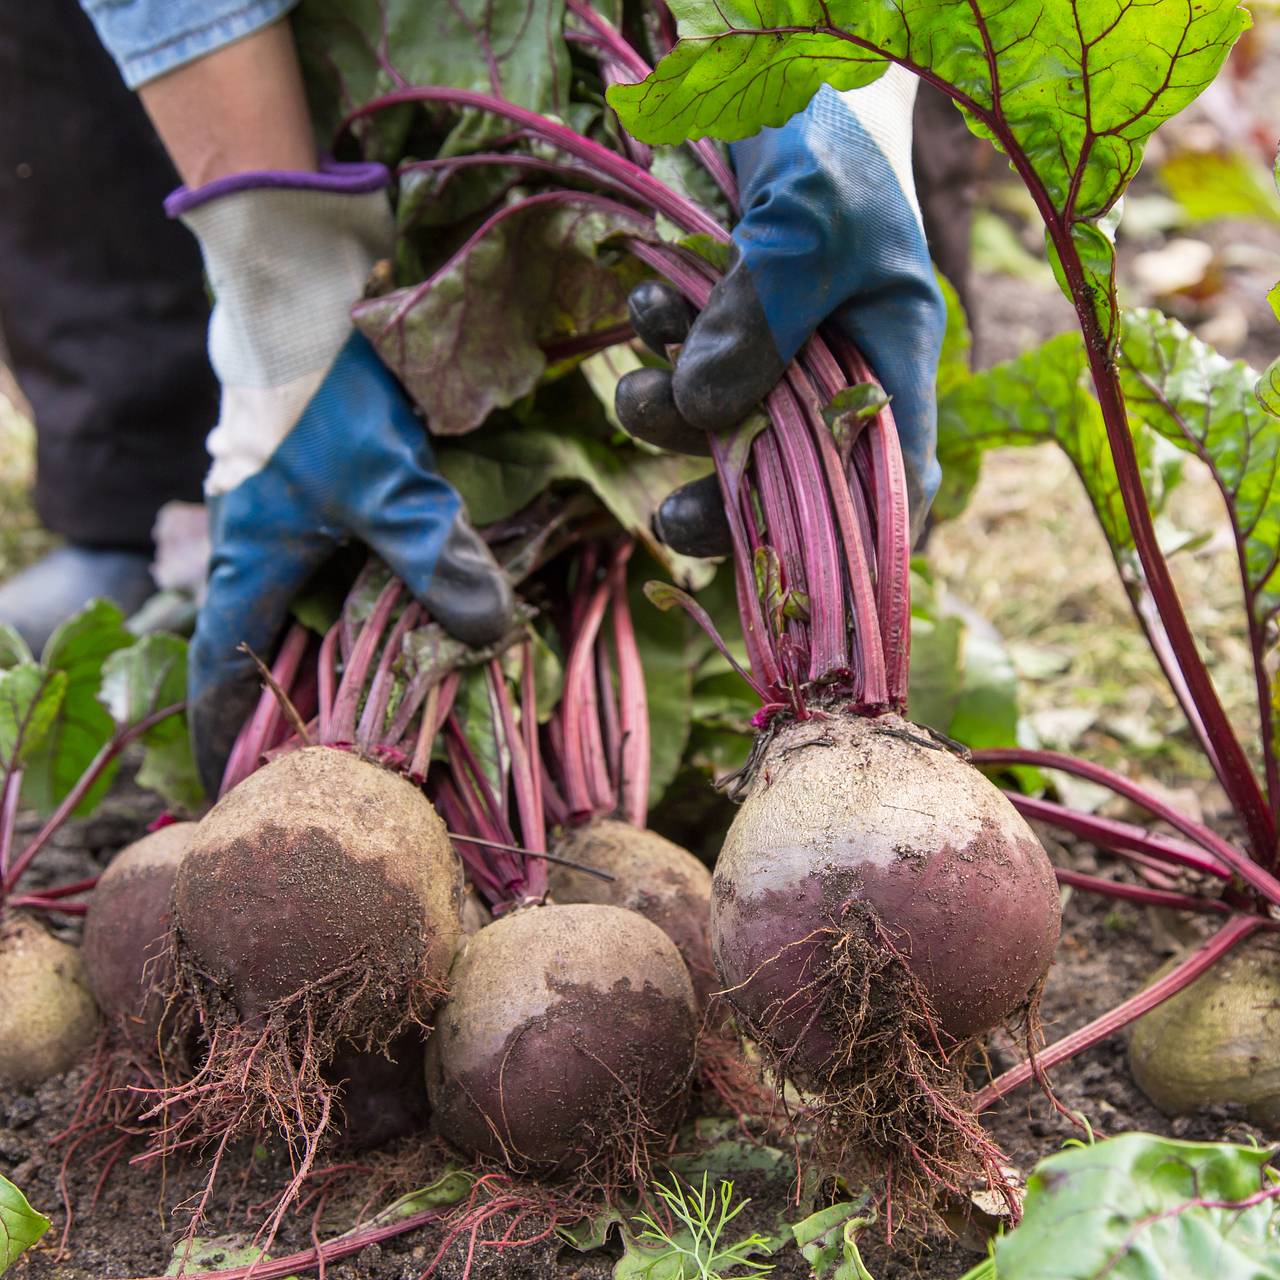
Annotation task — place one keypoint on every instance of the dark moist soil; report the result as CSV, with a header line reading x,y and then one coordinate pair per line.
x,y
1107,950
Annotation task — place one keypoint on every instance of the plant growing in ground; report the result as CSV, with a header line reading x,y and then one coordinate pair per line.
x,y
1069,91
65,720
691,1243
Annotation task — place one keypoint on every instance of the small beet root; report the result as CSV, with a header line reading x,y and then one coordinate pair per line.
x,y
878,904
567,1042
47,1017
658,879
126,934
1214,1042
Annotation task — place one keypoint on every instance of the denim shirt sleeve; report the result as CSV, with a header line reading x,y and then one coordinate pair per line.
x,y
147,38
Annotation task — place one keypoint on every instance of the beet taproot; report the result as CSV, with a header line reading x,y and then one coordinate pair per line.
x,y
325,879
316,912
877,905
848,814
126,933
652,876
567,1040
47,1016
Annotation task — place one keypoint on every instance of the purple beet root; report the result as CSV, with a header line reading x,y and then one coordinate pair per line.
x,y
660,880
876,906
567,1041
852,824
126,933
326,880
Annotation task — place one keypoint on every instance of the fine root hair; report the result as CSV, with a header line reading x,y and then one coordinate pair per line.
x,y
891,1107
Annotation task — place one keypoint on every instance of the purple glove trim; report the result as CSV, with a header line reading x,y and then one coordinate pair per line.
x,y
341,179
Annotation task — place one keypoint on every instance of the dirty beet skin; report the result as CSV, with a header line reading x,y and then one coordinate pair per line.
x,y
568,1031
847,813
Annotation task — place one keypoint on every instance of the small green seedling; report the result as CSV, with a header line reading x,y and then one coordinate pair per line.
x,y
693,1250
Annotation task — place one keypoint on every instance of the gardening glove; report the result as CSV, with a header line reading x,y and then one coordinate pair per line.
x,y
316,442
830,231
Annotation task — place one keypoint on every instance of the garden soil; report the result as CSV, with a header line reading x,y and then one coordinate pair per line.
x,y
1106,952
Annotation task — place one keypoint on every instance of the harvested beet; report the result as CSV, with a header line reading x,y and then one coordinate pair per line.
x,y
852,822
126,933
317,909
567,1041
652,876
47,1016
324,881
1215,1041
877,904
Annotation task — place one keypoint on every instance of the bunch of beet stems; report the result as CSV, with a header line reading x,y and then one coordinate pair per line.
x,y
835,543
13,867
598,738
594,761
498,845
337,691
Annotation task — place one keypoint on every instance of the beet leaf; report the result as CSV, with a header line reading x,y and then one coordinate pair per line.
x,y
136,683
1205,405
353,52
470,338
1069,90
77,649
1140,1205
1042,395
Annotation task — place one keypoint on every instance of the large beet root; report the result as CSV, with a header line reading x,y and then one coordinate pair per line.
x,y
863,821
315,913
326,879
658,879
567,1040
1215,1042
878,903
126,932
47,1016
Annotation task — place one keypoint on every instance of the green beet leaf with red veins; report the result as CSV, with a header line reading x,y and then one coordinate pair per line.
x,y
1069,90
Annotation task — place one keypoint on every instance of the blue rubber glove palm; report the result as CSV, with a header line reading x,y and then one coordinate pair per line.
x,y
316,443
830,231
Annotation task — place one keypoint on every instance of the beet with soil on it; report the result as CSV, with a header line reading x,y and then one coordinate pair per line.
x,y
877,905
325,881
567,1041
852,820
47,1016
316,912
1215,1041
126,933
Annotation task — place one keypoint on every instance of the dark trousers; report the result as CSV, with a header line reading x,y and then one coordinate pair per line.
x,y
102,303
